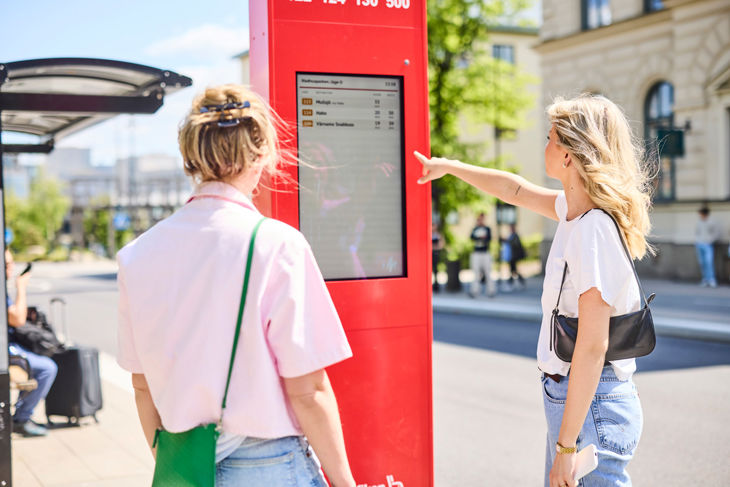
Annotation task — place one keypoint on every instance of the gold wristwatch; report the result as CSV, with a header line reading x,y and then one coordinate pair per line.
x,y
562,449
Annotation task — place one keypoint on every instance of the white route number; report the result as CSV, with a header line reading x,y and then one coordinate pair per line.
x,y
404,4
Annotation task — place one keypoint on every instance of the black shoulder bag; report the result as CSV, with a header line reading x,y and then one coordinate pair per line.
x,y
37,335
629,336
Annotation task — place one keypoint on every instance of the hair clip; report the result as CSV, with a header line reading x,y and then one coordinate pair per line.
x,y
225,106
231,122
226,122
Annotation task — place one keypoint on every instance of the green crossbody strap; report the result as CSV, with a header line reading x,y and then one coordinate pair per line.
x,y
240,312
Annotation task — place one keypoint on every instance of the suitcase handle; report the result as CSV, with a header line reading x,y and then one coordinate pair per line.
x,y
63,319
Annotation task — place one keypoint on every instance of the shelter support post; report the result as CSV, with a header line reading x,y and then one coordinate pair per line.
x,y
5,425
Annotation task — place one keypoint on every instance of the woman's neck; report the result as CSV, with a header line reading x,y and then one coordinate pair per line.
x,y
577,198
245,182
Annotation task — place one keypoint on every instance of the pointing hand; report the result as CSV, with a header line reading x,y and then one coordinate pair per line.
x,y
433,168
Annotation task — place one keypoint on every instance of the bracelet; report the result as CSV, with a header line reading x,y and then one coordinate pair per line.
x,y
563,449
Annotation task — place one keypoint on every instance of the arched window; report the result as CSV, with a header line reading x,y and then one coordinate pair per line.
x,y
658,114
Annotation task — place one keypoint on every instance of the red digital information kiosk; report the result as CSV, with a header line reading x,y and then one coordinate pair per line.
x,y
352,76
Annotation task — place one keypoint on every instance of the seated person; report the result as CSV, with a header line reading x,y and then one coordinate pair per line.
x,y
43,369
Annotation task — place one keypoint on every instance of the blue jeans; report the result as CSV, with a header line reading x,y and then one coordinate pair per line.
x,y
613,424
43,370
279,462
705,257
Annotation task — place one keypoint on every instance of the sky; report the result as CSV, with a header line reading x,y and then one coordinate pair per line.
x,y
196,39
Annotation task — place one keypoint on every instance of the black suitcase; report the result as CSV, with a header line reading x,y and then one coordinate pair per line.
x,y
76,392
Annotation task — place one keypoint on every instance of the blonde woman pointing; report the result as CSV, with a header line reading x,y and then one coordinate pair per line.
x,y
590,150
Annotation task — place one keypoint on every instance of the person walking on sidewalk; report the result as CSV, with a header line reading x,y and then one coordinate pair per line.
x,y
706,233
590,150
180,285
481,259
43,369
517,253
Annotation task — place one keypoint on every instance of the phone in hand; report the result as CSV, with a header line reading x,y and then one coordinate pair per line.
x,y
27,269
585,462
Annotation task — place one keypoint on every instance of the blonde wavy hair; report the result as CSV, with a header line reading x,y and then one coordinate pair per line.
x,y
228,130
610,161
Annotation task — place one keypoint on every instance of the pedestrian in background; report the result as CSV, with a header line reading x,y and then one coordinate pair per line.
x,y
437,246
706,233
180,286
517,253
481,259
505,256
43,369
591,151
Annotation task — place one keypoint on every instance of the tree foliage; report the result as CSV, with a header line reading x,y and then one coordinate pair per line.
x,y
36,219
468,85
98,223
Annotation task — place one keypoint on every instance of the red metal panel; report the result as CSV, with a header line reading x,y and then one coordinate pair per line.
x,y
384,395
397,13
384,391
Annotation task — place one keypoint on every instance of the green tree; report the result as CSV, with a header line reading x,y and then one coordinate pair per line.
x,y
467,83
37,219
97,223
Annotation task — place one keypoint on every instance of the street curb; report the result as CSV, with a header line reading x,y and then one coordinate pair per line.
x,y
664,325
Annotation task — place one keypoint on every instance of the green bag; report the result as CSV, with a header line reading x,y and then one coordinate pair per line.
x,y
187,459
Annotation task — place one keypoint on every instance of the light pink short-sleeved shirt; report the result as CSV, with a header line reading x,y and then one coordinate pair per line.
x,y
179,292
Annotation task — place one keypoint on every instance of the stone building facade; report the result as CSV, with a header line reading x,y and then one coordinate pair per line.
x,y
667,63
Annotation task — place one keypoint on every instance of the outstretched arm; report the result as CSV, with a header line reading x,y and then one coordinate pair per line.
x,y
508,187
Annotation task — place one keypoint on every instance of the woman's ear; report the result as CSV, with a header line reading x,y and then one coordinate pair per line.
x,y
566,160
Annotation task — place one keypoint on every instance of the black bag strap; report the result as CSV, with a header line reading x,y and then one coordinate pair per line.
x,y
241,306
628,256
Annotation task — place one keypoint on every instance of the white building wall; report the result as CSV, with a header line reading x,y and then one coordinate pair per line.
x,y
686,44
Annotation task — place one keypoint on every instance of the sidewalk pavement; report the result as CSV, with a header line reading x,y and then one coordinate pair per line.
x,y
111,453
680,309
114,453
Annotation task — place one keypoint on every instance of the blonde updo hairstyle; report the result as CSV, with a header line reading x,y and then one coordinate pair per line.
x,y
229,130
596,133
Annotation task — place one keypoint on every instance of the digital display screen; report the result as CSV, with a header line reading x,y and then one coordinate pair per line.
x,y
351,181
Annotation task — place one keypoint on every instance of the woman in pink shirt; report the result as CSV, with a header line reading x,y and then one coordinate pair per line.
x,y
179,290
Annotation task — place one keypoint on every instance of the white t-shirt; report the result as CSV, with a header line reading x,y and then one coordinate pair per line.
x,y
596,258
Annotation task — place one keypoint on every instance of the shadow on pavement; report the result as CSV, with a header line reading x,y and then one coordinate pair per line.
x,y
520,338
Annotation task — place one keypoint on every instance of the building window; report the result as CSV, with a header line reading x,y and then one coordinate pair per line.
x,y
658,114
504,52
653,5
596,13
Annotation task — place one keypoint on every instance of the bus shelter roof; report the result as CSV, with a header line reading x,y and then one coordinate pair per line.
x,y
53,98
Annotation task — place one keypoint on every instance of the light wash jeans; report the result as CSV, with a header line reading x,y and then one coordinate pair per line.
x,y
706,259
613,423
43,370
279,462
